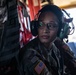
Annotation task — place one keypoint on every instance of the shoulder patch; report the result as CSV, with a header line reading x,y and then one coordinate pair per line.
x,y
34,59
39,67
65,47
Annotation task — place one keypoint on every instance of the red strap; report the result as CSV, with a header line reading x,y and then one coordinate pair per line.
x,y
26,34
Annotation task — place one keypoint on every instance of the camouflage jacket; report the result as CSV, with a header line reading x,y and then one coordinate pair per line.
x,y
35,59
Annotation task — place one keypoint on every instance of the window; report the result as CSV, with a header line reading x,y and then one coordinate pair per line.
x,y
72,12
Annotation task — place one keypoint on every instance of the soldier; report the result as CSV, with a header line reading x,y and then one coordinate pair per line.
x,y
9,37
40,56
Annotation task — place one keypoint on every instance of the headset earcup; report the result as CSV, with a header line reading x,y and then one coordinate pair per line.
x,y
34,27
64,31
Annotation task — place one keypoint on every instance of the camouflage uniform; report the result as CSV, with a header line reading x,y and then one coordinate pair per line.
x,y
35,59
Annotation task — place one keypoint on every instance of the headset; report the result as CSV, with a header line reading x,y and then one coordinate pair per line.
x,y
68,26
64,30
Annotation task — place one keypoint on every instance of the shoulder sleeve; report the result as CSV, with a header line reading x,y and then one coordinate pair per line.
x,y
32,65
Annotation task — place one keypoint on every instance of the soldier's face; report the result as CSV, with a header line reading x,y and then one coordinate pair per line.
x,y
48,27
